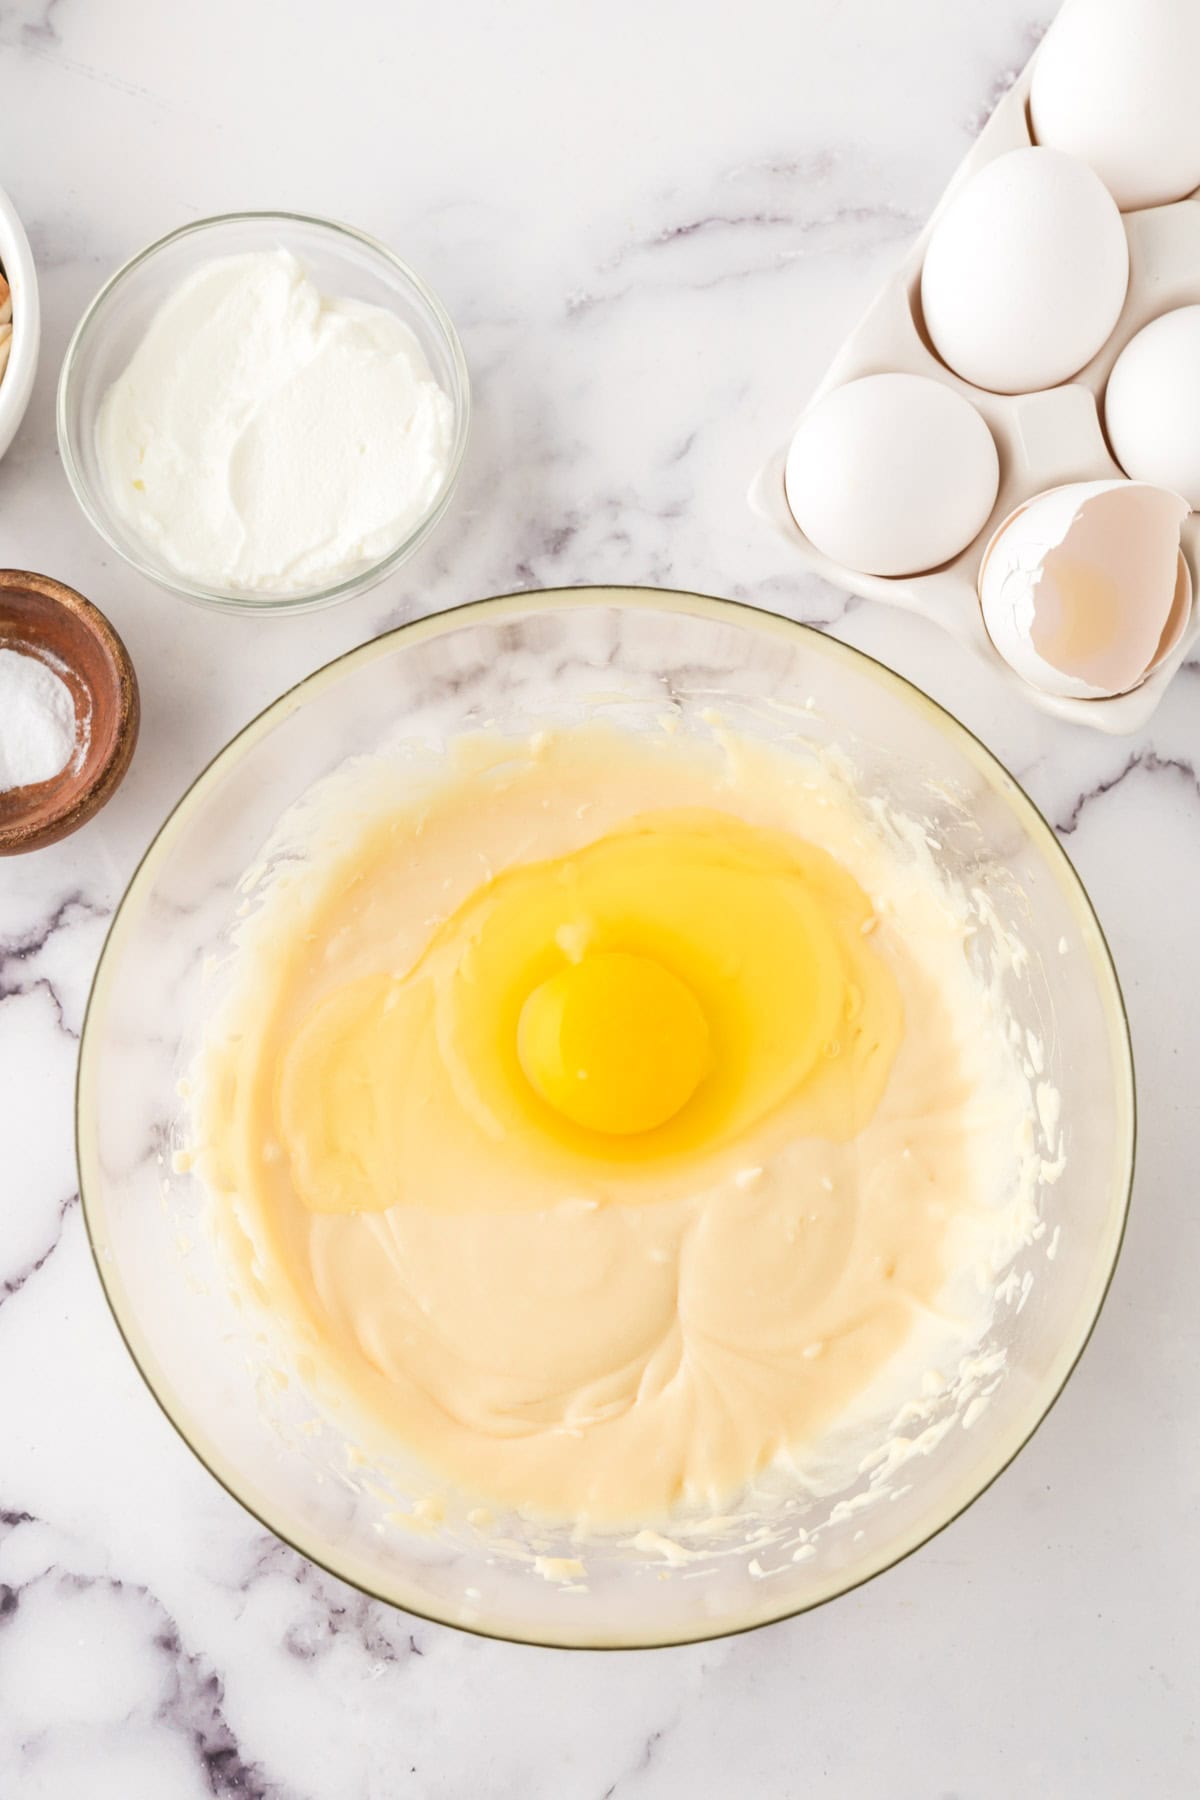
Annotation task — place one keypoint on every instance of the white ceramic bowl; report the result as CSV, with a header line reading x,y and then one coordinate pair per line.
x,y
16,384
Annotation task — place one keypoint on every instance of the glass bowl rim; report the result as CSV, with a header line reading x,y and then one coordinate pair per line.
x,y
227,599
633,597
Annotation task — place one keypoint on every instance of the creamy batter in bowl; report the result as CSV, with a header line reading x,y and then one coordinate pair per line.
x,y
907,1450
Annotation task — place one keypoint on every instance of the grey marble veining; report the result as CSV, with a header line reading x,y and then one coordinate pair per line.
x,y
653,226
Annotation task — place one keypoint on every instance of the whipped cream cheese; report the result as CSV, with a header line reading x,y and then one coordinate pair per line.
x,y
607,1346
265,438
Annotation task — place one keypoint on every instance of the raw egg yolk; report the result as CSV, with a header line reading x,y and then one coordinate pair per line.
x,y
616,1043
655,997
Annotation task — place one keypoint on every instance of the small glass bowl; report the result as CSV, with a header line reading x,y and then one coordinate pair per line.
x,y
342,262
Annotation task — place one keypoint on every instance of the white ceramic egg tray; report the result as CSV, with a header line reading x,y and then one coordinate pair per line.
x,y
1044,438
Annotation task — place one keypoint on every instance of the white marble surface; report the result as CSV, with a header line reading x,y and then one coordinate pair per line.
x,y
652,223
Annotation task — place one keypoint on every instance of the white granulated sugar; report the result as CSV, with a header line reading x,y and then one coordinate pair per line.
x,y
37,721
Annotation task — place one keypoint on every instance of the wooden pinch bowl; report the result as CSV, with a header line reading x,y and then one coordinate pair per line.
x,y
45,618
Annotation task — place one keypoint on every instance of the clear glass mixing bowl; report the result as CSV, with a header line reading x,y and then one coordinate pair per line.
x,y
518,663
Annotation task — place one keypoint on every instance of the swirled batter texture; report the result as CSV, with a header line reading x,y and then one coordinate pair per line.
x,y
599,1115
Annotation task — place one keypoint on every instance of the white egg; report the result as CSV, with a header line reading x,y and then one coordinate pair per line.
x,y
1025,273
1084,589
892,474
1152,404
1115,83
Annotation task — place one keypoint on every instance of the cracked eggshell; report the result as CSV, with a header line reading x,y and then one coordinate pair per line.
x,y
1084,589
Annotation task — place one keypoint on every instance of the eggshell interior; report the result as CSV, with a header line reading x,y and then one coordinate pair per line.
x,y
1079,587
1177,618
